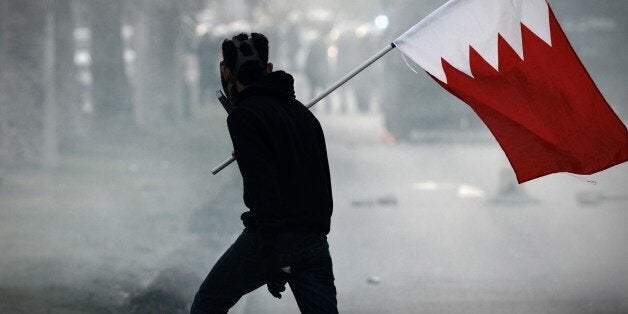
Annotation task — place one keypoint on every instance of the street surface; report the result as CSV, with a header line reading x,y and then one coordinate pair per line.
x,y
425,228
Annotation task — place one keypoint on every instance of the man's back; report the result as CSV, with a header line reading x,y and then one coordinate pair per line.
x,y
280,149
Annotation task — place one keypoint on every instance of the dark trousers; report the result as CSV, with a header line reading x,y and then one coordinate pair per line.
x,y
239,271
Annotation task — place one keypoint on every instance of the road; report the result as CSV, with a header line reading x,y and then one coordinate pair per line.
x,y
424,228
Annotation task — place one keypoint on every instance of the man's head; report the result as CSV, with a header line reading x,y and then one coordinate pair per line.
x,y
245,58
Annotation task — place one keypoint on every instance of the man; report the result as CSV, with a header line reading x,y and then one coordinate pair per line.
x,y
281,153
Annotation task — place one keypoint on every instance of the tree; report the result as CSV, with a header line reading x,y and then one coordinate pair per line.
x,y
111,92
157,77
22,93
70,122
50,146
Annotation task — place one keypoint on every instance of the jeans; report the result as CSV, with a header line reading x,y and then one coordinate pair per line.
x,y
239,271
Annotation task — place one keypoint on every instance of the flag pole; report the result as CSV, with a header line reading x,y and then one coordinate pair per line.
x,y
326,92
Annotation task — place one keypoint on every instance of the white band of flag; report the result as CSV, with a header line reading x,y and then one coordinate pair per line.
x,y
448,32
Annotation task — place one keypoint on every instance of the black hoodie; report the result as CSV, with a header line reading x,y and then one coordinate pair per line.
x,y
280,150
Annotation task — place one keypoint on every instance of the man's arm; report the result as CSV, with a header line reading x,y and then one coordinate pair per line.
x,y
257,162
258,166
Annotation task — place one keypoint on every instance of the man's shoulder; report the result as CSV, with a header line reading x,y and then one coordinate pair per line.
x,y
271,104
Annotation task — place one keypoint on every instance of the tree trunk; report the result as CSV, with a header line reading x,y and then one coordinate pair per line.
x,y
22,92
4,15
157,76
71,127
140,79
111,93
50,150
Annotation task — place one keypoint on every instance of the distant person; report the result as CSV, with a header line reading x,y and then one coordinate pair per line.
x,y
317,67
281,153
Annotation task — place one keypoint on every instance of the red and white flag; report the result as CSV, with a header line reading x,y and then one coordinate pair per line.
x,y
512,63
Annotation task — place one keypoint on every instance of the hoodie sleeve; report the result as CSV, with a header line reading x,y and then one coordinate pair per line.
x,y
258,165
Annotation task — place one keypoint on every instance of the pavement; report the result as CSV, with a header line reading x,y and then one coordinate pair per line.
x,y
443,228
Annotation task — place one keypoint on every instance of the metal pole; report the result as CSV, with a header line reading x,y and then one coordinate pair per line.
x,y
326,92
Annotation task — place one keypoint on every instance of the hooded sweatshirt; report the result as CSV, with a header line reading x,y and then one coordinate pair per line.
x,y
280,151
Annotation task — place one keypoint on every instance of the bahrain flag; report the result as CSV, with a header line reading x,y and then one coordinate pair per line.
x,y
511,62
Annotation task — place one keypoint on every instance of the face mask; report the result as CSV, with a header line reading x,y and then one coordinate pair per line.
x,y
246,53
228,87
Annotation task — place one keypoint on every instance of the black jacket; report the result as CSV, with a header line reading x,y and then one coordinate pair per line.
x,y
280,150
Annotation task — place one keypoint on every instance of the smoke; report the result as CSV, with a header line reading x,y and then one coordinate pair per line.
x,y
169,292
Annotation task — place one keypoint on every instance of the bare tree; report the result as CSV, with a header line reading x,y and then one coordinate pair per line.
x,y
22,92
50,147
111,92
4,13
158,74
71,127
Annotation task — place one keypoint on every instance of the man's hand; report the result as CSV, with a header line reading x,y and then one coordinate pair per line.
x,y
275,288
276,277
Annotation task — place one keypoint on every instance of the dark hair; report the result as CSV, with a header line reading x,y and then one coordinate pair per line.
x,y
250,71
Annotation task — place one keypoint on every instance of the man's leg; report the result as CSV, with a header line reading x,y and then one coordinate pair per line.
x,y
312,282
236,273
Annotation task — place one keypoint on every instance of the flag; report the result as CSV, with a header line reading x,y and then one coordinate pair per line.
x,y
511,62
